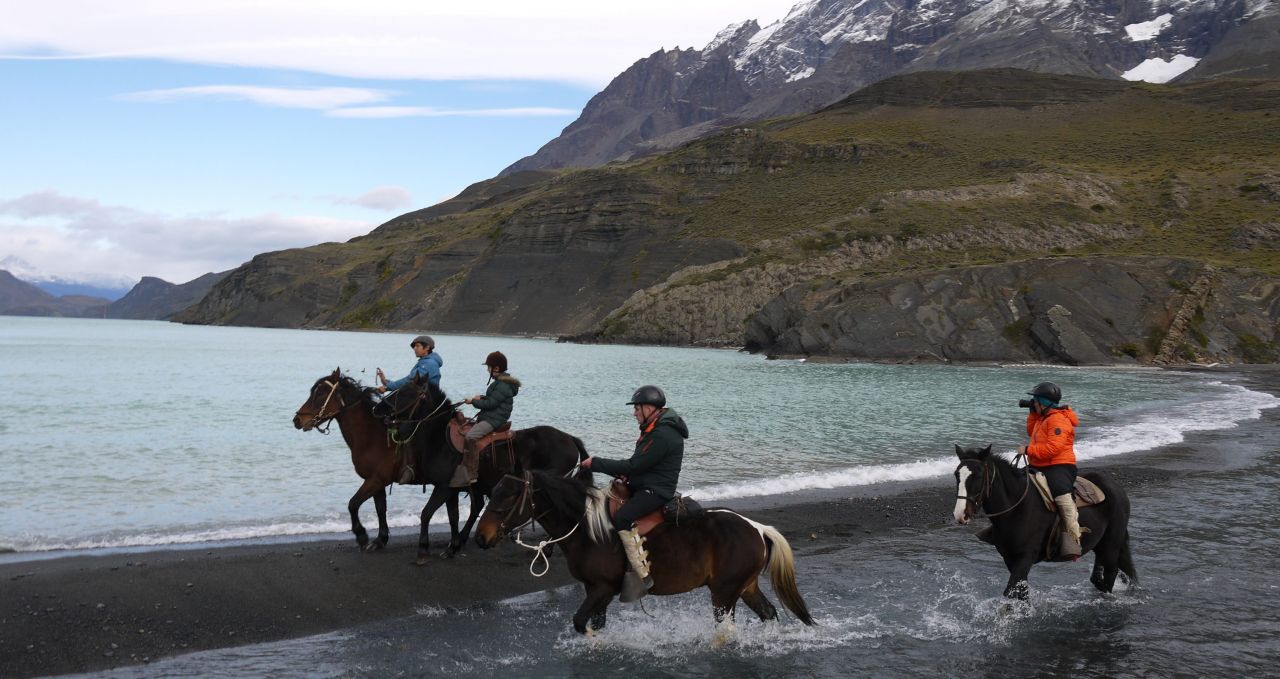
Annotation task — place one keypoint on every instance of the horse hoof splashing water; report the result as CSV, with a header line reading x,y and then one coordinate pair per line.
x,y
720,550
1023,526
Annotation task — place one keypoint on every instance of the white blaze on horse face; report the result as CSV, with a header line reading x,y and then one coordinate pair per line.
x,y
961,502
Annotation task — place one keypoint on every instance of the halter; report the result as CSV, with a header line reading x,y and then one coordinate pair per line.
x,y
526,497
989,474
320,418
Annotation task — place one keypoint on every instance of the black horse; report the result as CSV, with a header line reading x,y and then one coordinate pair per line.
x,y
424,433
1023,526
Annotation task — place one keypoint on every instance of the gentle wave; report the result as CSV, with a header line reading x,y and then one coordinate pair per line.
x,y
1153,429
1144,431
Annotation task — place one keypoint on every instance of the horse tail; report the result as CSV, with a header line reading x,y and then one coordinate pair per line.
x,y
782,574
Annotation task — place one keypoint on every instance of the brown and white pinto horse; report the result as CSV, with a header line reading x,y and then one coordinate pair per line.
x,y
719,549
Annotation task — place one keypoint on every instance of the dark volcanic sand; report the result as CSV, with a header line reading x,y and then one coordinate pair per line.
x,y
83,613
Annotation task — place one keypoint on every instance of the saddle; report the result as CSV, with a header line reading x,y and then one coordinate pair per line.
x,y
460,425
680,508
1086,493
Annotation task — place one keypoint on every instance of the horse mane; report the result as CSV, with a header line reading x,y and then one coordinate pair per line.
x,y
576,499
349,383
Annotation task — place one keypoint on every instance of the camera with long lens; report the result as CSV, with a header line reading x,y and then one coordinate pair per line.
x,y
1026,403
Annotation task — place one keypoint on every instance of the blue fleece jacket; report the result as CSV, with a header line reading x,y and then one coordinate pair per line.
x,y
428,366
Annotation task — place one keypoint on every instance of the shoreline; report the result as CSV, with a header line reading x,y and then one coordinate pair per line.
x,y
95,611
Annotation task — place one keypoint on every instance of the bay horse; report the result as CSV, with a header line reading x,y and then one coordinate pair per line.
x,y
339,398
536,448
1023,526
718,549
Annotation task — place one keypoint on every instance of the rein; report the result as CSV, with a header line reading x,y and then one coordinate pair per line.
x,y
989,475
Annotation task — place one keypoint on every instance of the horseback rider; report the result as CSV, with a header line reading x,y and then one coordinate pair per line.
x,y
495,410
651,473
1052,428
428,367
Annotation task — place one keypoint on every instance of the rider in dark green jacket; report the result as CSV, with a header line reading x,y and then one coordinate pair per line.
x,y
652,473
495,410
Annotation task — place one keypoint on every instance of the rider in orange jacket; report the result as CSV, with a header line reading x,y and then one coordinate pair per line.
x,y
1052,428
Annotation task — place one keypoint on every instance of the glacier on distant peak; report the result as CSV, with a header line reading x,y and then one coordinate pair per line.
x,y
1147,30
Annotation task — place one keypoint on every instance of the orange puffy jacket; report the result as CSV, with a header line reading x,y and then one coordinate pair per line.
x,y
1053,437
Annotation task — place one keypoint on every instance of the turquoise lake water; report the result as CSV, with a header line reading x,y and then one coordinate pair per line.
x,y
136,433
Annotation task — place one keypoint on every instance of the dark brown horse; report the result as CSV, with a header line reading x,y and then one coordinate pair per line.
x,y
338,398
537,448
1023,526
718,549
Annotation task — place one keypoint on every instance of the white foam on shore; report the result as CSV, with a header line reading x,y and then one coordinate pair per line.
x,y
1145,431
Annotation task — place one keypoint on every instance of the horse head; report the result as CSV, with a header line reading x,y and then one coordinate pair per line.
x,y
972,481
323,403
418,398
510,507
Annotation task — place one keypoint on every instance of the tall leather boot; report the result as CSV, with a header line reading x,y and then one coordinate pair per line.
x,y
471,460
1070,544
406,474
636,582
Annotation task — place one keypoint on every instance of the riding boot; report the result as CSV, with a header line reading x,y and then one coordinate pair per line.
x,y
406,475
471,460
1070,544
636,582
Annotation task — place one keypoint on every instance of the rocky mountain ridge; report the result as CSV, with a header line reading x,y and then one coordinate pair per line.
x,y
919,174
825,49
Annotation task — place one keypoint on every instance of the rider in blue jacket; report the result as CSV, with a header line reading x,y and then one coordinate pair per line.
x,y
428,366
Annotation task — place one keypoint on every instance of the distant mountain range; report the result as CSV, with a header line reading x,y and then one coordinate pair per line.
x,y
825,49
150,299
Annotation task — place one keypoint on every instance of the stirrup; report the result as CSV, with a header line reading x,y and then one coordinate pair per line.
x,y
406,475
633,587
460,477
1068,547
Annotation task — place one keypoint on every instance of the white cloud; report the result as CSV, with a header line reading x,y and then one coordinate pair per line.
x,y
381,198
583,41
81,239
283,97
432,112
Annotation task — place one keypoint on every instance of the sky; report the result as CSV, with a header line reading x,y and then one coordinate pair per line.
x,y
171,139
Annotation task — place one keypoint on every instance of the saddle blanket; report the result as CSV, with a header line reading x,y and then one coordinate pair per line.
x,y
1085,492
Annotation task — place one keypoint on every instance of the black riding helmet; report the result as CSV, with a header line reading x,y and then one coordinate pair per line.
x,y
1048,390
648,395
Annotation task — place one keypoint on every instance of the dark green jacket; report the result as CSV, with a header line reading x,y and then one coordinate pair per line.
x,y
495,407
656,463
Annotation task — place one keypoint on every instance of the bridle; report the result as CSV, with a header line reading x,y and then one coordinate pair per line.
x,y
526,498
989,474
392,423
320,418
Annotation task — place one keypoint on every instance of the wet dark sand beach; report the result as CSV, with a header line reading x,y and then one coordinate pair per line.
x,y
91,612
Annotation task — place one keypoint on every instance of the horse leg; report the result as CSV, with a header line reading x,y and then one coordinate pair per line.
x,y
758,602
451,505
477,505
724,599
384,533
1126,562
438,495
1019,566
593,607
366,490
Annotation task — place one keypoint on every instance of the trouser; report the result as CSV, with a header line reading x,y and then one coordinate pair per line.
x,y
1062,479
471,456
641,503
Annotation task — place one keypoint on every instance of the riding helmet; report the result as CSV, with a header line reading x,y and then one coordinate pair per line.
x,y
424,340
1048,390
496,360
648,395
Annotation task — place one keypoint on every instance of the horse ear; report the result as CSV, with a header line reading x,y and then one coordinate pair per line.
x,y
337,371
959,450
986,451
